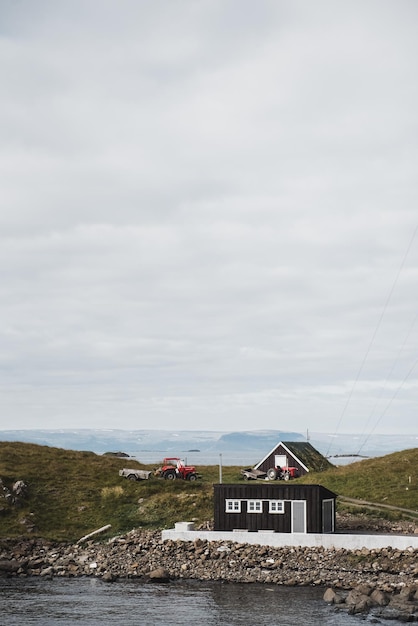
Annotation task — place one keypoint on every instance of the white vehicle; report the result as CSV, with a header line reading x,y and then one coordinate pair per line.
x,y
135,474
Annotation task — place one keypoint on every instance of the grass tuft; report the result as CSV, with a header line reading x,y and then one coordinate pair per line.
x,y
112,492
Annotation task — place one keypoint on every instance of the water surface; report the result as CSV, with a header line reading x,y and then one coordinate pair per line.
x,y
36,601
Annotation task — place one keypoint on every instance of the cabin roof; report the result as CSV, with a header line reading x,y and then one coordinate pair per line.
x,y
304,452
251,489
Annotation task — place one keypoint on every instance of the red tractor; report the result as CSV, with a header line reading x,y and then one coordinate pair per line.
x,y
282,473
173,468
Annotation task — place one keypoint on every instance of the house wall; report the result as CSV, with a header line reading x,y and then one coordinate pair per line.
x,y
281,522
269,461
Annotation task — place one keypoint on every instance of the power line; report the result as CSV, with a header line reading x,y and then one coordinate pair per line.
x,y
391,370
373,337
389,404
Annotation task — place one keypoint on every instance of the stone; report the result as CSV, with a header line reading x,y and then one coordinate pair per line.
x,y
354,596
373,578
47,571
408,592
402,604
159,575
364,589
379,597
329,596
9,566
19,487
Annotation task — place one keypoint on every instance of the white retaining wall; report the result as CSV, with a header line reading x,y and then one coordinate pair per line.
x,y
182,532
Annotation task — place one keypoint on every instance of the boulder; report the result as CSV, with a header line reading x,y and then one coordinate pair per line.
x,y
408,592
332,597
379,597
9,566
47,571
364,589
159,575
19,487
358,602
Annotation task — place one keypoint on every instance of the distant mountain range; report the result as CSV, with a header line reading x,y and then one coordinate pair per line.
x,y
176,443
101,441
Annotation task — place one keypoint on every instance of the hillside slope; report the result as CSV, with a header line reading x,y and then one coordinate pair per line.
x,y
69,493
390,479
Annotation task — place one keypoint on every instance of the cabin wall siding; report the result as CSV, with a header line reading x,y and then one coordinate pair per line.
x,y
313,495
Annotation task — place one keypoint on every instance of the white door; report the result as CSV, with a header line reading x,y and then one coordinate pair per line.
x,y
299,516
280,460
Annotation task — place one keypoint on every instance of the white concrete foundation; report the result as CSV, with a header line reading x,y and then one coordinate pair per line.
x,y
333,540
183,526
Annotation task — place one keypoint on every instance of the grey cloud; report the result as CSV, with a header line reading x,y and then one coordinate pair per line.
x,y
205,206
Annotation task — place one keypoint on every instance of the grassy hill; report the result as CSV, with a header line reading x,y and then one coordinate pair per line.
x,y
390,480
70,494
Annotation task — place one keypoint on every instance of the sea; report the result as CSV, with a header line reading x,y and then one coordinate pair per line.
x,y
91,602
243,458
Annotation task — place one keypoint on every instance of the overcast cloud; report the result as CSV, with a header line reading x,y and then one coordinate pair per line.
x,y
208,214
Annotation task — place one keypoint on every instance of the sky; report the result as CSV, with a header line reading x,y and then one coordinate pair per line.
x,y
208,215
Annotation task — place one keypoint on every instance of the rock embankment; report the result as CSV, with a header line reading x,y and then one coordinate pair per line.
x,y
401,606
143,555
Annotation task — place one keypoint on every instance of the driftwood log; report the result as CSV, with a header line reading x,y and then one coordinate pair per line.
x,y
95,532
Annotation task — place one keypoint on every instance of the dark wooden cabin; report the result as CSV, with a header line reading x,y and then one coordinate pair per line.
x,y
283,507
299,454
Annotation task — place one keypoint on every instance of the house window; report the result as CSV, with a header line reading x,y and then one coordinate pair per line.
x,y
254,506
233,506
276,506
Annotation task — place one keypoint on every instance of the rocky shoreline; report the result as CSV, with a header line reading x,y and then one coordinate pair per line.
x,y
384,581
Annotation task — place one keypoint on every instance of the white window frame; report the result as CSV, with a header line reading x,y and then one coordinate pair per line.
x,y
254,506
276,506
232,506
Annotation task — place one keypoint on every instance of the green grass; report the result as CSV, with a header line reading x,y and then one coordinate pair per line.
x,y
73,493
390,480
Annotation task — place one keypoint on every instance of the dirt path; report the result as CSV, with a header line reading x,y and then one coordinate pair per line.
x,y
374,505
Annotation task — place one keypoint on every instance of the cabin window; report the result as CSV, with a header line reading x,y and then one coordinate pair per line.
x,y
254,506
276,506
233,506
